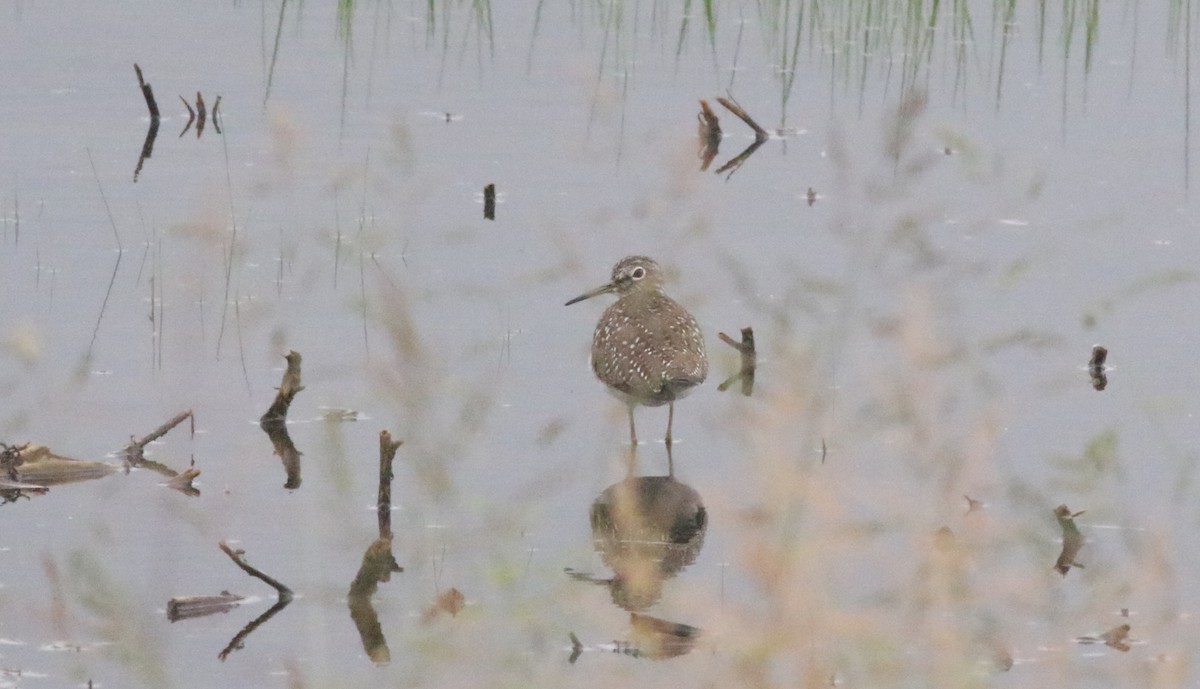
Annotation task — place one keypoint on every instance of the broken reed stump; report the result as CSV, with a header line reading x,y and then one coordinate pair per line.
x,y
1072,539
749,361
1096,368
387,454
148,94
489,202
274,421
285,593
286,392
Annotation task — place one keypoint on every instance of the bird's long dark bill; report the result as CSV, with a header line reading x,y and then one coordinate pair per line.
x,y
603,289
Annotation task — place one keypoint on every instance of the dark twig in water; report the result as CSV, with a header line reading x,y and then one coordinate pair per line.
x,y
201,114
1096,368
749,361
387,453
489,202
134,450
576,648
238,639
1072,539
760,134
147,93
191,117
285,593
216,120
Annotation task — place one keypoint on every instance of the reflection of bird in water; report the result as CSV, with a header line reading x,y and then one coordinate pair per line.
x,y
647,348
647,529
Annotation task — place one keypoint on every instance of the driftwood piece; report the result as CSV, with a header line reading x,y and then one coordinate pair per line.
x,y
1072,539
187,607
37,464
236,556
749,361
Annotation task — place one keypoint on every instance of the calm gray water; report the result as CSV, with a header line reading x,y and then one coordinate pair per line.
x,y
994,196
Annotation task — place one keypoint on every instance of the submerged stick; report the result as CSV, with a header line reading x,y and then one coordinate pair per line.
x,y
147,93
285,593
749,361
162,430
387,453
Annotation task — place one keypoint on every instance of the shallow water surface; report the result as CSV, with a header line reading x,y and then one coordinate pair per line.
x,y
946,213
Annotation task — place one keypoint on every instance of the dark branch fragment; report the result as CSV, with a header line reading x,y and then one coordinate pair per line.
x,y
1072,539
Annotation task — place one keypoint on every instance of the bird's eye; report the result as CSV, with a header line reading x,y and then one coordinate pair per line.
x,y
638,273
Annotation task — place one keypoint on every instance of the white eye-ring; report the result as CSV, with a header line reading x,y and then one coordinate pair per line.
x,y
638,273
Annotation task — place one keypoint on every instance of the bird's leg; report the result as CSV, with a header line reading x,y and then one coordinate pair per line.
x,y
632,431
670,420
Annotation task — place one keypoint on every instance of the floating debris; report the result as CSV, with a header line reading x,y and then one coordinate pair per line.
x,y
1117,637
451,602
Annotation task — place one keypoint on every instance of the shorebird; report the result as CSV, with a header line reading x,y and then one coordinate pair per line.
x,y
647,348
